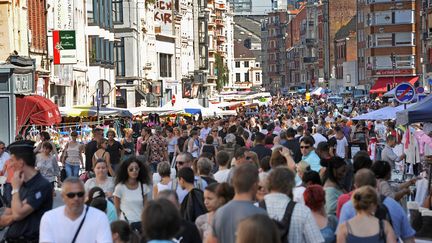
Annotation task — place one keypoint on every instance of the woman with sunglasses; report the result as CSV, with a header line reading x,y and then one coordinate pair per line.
x,y
217,140
101,179
132,190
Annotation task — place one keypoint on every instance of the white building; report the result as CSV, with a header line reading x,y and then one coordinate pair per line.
x,y
100,49
128,30
229,45
69,83
248,72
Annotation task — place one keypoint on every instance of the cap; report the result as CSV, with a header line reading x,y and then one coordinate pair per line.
x,y
23,146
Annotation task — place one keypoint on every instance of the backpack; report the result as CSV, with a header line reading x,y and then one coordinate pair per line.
x,y
282,226
382,212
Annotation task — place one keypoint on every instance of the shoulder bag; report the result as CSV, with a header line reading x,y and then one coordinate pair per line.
x,y
80,226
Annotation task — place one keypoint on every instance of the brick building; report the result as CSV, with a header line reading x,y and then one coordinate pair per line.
x,y
386,27
37,25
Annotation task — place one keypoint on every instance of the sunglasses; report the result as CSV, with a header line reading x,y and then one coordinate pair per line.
x,y
132,169
304,147
74,194
248,158
214,131
180,162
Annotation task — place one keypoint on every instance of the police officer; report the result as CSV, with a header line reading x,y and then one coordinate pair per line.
x,y
31,196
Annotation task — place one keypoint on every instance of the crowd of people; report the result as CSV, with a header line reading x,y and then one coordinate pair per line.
x,y
279,173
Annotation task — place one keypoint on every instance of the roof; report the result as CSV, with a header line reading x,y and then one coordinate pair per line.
x,y
240,51
345,30
249,24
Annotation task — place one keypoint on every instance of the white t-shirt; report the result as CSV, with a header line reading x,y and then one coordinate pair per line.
x,y
298,194
3,158
55,227
340,147
318,139
131,201
221,175
108,186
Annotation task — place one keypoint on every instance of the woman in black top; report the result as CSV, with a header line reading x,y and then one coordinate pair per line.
x,y
209,147
114,148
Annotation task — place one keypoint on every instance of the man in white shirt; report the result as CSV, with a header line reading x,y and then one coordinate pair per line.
x,y
62,224
4,156
342,144
223,159
318,137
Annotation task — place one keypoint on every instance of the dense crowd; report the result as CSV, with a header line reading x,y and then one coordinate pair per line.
x,y
292,171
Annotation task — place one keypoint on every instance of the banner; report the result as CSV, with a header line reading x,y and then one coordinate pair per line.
x,y
63,15
163,17
64,42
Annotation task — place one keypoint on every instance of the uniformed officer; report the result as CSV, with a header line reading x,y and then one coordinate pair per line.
x,y
31,196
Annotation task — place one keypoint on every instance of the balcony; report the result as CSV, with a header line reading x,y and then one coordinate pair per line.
x,y
310,59
220,6
220,22
221,38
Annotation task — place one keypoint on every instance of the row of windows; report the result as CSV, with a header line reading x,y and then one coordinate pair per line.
x,y
245,64
391,39
246,77
101,51
97,13
385,62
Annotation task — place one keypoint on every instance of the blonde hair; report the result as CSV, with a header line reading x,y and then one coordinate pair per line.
x,y
303,166
257,229
364,198
127,130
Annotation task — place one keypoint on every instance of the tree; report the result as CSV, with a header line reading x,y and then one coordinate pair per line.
x,y
221,72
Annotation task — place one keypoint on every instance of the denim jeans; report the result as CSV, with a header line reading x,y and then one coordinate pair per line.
x,y
72,170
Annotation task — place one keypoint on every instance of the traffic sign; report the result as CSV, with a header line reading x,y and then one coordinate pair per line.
x,y
404,93
420,90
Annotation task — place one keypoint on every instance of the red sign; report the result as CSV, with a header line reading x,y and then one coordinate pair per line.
x,y
173,100
396,72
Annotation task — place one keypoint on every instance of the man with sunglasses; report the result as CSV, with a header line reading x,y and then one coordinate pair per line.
x,y
74,222
183,160
308,152
31,196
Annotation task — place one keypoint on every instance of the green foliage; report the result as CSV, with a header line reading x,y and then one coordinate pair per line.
x,y
221,72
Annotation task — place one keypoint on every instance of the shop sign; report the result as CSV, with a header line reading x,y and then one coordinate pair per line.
x,y
64,46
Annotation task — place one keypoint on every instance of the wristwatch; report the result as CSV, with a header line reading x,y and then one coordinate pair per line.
x,y
14,191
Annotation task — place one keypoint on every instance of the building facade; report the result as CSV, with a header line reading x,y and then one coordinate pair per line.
x,y
345,48
389,43
247,69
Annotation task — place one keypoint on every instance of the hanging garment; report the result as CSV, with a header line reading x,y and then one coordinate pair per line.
x,y
411,147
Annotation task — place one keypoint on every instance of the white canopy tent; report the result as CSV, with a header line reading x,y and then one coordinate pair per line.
x,y
386,113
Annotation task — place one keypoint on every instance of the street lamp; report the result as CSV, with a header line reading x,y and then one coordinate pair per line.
x,y
393,60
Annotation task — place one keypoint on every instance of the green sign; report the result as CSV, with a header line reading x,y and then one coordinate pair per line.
x,y
67,39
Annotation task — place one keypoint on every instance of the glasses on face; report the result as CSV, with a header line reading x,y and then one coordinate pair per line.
x,y
2,148
74,194
180,162
214,131
132,169
304,147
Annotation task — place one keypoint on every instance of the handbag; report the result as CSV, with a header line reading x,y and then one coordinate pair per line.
x,y
81,224
136,226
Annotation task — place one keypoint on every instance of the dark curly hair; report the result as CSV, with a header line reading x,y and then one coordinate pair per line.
x,y
122,171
